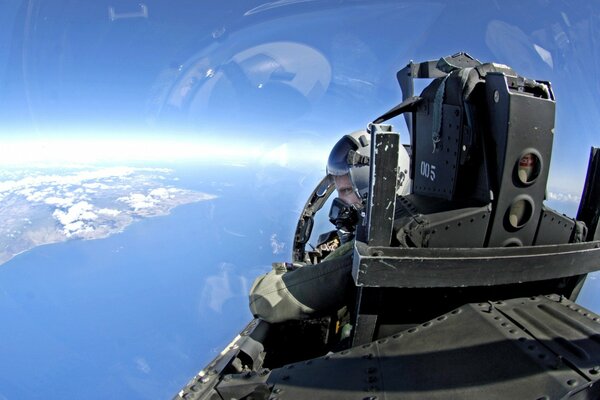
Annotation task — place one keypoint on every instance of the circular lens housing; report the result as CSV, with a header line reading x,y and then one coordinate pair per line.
x,y
528,167
520,212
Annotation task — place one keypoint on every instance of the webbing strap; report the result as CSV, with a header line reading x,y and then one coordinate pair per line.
x,y
437,113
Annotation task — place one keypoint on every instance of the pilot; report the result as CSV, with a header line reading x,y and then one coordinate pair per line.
x,y
320,289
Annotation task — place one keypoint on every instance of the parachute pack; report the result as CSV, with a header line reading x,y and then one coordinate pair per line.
x,y
481,140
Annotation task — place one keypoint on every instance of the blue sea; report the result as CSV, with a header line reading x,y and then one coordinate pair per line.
x,y
136,315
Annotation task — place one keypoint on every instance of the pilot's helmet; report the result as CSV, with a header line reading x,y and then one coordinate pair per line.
x,y
351,155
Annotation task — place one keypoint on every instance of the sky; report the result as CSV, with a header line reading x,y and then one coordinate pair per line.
x,y
266,75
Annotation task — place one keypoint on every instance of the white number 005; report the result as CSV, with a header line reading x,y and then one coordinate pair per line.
x,y
428,170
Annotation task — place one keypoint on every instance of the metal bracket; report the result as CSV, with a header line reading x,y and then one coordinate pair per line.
x,y
462,267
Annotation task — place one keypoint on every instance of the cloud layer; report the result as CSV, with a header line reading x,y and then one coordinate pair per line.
x,y
39,208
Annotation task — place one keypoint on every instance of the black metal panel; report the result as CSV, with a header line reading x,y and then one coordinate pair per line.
x,y
436,167
423,221
456,267
478,351
383,181
202,386
589,208
365,315
519,124
381,207
554,228
562,326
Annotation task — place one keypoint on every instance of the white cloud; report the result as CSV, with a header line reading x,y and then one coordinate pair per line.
x,y
72,227
566,197
95,185
37,196
109,212
161,193
217,289
73,179
276,245
138,201
59,202
142,365
80,211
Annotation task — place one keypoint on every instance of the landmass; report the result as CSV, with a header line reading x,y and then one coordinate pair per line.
x,y
40,207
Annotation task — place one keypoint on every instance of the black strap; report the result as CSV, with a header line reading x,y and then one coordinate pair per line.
x,y
409,104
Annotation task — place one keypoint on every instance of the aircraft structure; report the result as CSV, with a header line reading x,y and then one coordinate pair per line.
x,y
465,288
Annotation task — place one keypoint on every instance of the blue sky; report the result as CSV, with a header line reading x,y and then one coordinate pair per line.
x,y
280,72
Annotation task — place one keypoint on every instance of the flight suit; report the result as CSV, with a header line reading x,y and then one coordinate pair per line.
x,y
306,292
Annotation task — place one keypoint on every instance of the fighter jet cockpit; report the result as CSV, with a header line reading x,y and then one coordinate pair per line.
x,y
456,258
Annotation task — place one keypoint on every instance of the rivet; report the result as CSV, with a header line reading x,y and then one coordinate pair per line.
x,y
290,366
366,346
194,388
285,378
372,379
370,398
371,370
368,356
382,341
345,352
204,379
594,370
513,331
308,362
572,382
426,324
412,330
397,336
496,96
212,372
277,390
443,317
